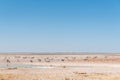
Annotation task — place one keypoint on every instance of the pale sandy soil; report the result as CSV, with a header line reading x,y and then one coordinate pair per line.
x,y
60,67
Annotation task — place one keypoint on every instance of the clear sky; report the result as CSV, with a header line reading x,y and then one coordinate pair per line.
x,y
60,25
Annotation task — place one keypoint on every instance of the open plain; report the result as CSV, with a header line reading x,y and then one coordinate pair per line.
x,y
60,67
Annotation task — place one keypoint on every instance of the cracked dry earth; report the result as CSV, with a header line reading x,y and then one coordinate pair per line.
x,y
57,67
54,74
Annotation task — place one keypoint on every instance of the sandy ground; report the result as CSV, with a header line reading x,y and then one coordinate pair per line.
x,y
60,67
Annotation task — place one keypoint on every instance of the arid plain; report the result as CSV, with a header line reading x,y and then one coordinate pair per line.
x,y
60,67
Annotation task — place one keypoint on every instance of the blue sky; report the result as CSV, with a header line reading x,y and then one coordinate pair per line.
x,y
59,26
